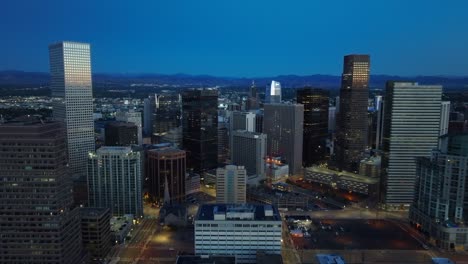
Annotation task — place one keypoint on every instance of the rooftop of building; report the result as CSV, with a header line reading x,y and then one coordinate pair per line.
x,y
93,212
205,259
166,150
248,133
120,124
372,160
114,149
236,212
345,175
118,223
27,120
330,259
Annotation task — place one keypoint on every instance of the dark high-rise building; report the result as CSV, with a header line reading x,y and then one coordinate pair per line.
x,y
37,221
162,113
200,128
121,134
165,168
283,124
315,103
253,100
96,232
352,120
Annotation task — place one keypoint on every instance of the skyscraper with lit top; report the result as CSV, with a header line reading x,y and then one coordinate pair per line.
x,y
351,138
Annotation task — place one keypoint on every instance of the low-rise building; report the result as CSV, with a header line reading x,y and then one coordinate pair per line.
x,y
276,169
173,215
192,183
343,180
370,166
120,228
238,229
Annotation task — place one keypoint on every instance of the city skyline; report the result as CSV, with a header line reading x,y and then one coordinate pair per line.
x,y
305,40
143,165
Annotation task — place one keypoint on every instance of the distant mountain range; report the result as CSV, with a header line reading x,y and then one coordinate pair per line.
x,y
185,80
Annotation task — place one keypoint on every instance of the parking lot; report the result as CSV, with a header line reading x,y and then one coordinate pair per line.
x,y
350,234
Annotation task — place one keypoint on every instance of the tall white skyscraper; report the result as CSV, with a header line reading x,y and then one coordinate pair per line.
x,y
71,85
131,116
273,93
231,184
411,130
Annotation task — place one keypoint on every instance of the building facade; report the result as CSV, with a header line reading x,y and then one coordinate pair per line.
x,y
352,122
71,85
315,131
411,130
96,232
200,128
231,184
239,230
36,204
166,167
249,150
163,113
440,207
121,134
283,124
115,180
134,117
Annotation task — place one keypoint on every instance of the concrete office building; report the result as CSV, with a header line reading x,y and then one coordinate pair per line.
x,y
38,223
71,85
239,230
440,207
166,167
352,121
231,184
121,134
249,150
131,116
243,121
283,124
411,130
115,180
96,232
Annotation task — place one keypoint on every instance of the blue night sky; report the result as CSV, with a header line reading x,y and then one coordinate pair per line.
x,y
241,37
